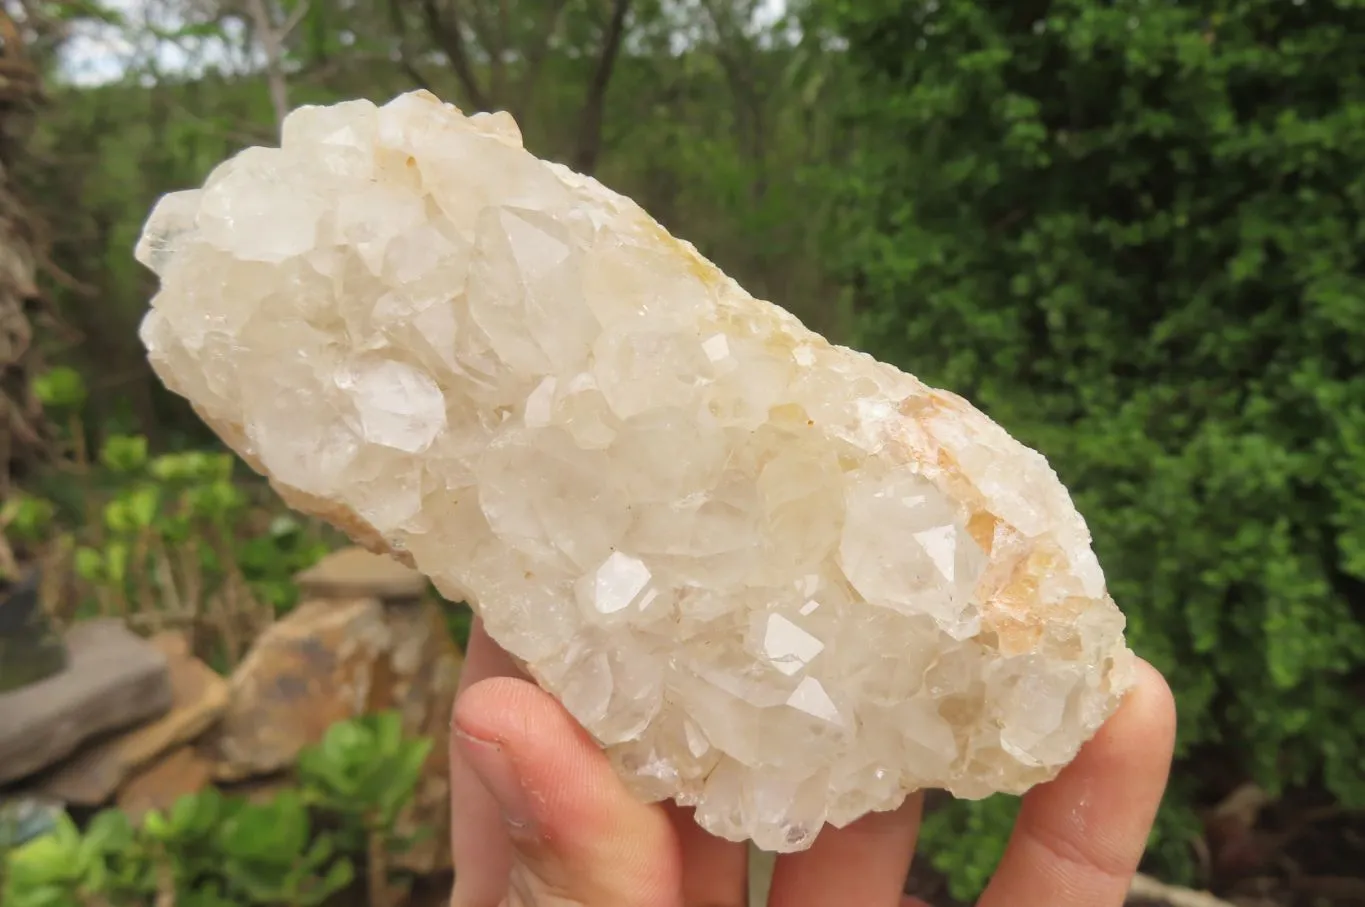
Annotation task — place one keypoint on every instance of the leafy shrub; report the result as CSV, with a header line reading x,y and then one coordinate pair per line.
x,y
1131,231
211,850
170,501
366,772
176,539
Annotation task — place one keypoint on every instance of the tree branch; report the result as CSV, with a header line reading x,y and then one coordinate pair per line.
x,y
481,25
594,104
1146,889
736,55
450,38
272,40
399,23
294,19
536,56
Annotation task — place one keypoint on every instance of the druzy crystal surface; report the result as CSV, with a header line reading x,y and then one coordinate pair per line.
x,y
778,580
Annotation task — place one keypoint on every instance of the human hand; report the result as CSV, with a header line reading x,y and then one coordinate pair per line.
x,y
541,820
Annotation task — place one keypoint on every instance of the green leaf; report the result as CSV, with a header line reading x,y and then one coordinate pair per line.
x,y
142,506
89,564
116,557
26,518
124,454
60,388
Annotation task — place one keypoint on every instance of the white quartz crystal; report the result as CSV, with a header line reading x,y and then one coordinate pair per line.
x,y
778,580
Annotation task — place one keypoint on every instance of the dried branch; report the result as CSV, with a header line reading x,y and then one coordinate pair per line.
x,y
1147,890
9,564
272,38
535,57
62,278
295,18
10,39
594,104
449,36
481,23
399,23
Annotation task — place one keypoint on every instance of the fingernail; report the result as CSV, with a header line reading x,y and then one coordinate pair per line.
x,y
499,777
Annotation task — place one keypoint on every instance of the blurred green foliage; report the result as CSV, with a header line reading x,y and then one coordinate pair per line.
x,y
1132,232
1128,230
178,540
723,143
296,849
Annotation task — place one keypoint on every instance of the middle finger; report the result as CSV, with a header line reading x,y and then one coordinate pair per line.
x,y
864,863
715,871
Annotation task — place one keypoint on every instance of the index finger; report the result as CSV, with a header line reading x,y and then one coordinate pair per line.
x,y
1079,838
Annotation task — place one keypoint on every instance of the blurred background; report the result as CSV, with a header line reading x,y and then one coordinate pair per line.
x,y
1129,230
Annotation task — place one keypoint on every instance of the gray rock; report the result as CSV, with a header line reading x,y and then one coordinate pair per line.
x,y
113,680
93,775
24,818
30,650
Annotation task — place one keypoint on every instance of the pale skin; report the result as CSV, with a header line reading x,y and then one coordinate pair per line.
x,y
540,819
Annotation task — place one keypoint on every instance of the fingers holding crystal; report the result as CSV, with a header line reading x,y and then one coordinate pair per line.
x,y
715,871
863,863
577,834
774,577
1079,838
481,853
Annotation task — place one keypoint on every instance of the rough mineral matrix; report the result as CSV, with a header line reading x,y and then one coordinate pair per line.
x,y
778,580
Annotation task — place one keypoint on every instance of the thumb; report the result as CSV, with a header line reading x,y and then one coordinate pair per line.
x,y
579,839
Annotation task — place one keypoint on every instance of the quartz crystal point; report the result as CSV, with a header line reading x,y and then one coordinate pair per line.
x,y
778,580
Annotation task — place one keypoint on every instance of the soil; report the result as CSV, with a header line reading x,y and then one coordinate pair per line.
x,y
1301,851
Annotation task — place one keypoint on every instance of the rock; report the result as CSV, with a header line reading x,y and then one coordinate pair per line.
x,y
25,817
780,581
113,679
328,661
200,697
176,774
357,573
30,649
306,672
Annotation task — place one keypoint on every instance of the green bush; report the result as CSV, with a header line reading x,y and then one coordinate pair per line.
x,y
1132,232
174,539
177,528
211,850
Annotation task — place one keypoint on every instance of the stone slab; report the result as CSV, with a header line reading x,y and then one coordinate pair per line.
x,y
93,776
357,573
113,680
332,660
30,650
176,774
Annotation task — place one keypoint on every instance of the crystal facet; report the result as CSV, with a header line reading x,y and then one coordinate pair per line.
x,y
779,581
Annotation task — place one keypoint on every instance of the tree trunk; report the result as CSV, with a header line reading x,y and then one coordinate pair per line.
x,y
21,430
589,147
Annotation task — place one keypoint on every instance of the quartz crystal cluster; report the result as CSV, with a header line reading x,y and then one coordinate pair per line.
x,y
778,580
